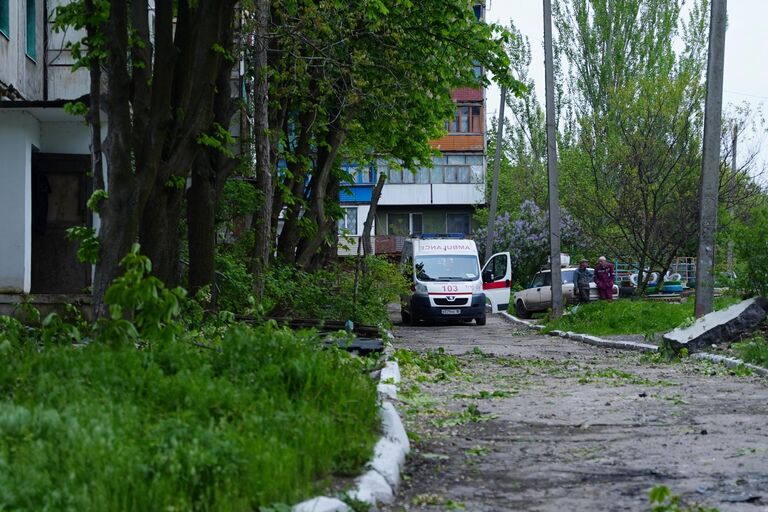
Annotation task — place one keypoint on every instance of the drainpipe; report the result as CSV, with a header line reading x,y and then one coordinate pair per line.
x,y
45,50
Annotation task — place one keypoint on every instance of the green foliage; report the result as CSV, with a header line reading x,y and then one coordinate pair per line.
x,y
628,316
753,350
239,198
330,294
96,198
662,500
261,419
176,182
76,108
430,361
751,244
233,282
220,140
88,251
78,16
632,129
223,52
140,306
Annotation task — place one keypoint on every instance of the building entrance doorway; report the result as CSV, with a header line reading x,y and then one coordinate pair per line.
x,y
60,189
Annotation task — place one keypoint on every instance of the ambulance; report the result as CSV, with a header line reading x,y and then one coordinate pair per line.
x,y
447,282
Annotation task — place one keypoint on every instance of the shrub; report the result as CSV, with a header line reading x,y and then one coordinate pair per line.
x,y
751,244
526,236
234,283
329,294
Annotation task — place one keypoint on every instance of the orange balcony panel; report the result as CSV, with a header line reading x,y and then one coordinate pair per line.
x,y
467,94
459,143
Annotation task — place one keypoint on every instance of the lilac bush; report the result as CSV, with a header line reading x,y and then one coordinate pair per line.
x,y
526,236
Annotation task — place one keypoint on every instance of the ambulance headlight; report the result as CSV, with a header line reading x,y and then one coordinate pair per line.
x,y
420,288
477,287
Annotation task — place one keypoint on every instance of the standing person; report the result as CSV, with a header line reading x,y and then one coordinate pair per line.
x,y
604,278
582,278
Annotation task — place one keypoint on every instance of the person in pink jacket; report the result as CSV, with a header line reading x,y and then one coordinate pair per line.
x,y
604,278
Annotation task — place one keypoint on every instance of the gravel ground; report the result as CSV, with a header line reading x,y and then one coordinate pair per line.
x,y
531,422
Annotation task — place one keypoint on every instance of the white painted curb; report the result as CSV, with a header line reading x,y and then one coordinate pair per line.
x,y
379,484
730,362
322,504
372,488
586,338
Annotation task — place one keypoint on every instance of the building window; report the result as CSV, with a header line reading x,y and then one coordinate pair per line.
x,y
404,224
468,119
450,168
5,18
348,223
31,30
457,223
357,175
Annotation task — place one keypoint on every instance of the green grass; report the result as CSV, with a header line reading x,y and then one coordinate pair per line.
x,y
629,316
753,350
268,418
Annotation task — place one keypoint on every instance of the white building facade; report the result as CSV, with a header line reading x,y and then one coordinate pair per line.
x,y
44,154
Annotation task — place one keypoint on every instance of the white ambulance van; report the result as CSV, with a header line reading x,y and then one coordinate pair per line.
x,y
447,283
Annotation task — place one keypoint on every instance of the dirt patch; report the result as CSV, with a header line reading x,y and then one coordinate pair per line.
x,y
533,422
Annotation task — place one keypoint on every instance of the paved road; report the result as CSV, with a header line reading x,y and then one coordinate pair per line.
x,y
533,422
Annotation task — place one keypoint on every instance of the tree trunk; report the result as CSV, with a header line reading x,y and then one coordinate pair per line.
x,y
368,226
262,145
159,234
201,209
120,216
321,189
209,173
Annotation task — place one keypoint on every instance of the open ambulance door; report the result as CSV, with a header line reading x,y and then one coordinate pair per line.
x,y
497,281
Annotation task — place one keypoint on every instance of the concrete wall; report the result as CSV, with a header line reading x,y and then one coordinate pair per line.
x,y
62,82
71,138
433,194
19,131
16,68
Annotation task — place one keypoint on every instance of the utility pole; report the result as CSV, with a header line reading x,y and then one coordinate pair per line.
x,y
554,194
710,168
495,189
732,194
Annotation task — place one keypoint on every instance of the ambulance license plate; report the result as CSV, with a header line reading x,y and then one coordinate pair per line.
x,y
451,311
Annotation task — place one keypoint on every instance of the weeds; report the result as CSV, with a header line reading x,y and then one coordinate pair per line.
x,y
485,394
431,499
619,378
662,500
430,361
478,451
471,415
753,350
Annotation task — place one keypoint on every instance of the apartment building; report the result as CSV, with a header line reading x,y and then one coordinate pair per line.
x,y
44,154
441,199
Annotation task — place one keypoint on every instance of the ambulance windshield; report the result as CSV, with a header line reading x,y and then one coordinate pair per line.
x,y
447,268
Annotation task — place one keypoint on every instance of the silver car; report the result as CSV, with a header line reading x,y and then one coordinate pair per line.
x,y
538,295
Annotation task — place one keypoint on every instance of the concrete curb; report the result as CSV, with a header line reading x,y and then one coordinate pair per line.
x,y
379,484
730,362
585,338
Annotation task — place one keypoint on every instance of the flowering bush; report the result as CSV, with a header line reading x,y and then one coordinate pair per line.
x,y
526,237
